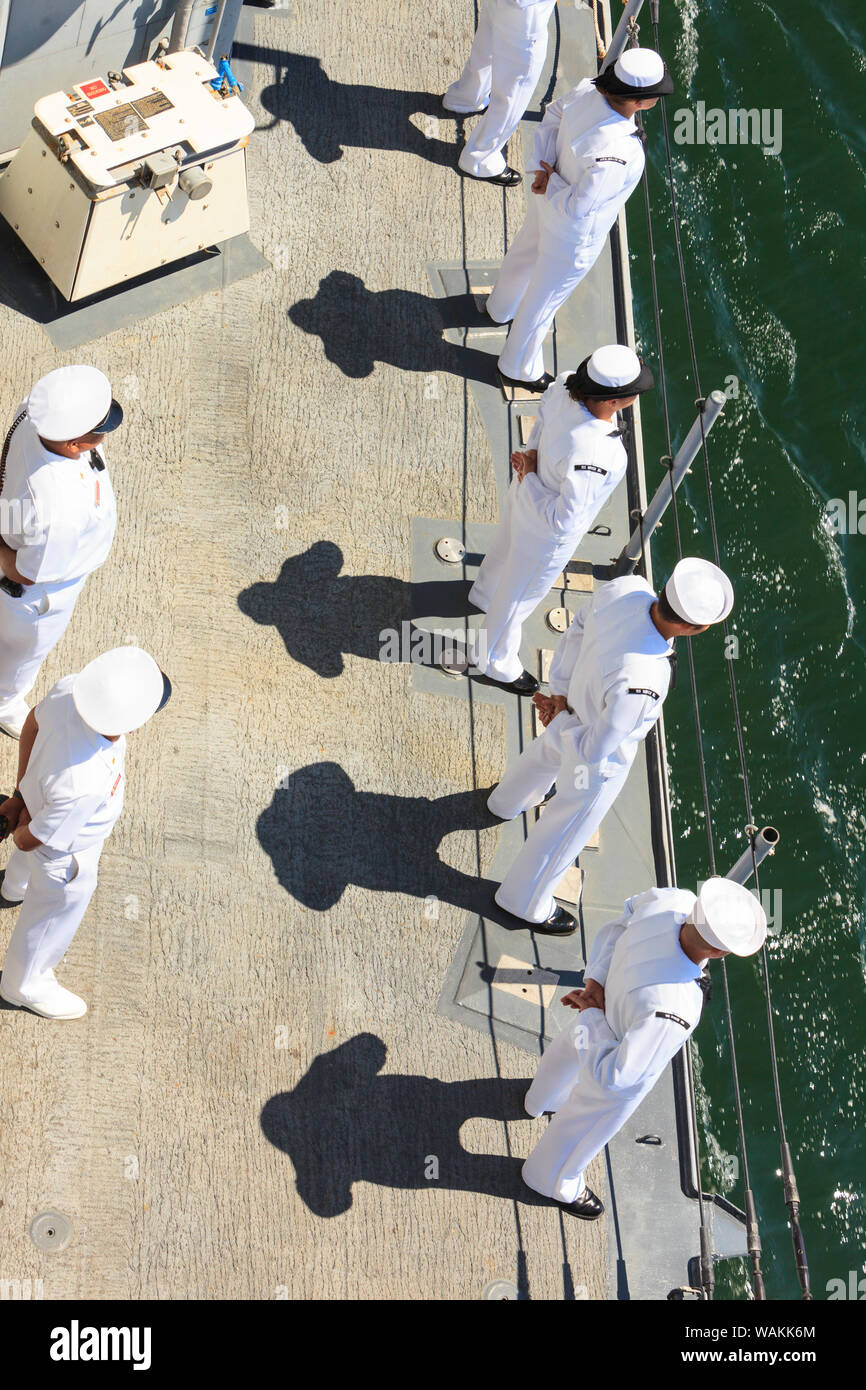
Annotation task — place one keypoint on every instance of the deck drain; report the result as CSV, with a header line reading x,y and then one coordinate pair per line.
x,y
501,1289
557,619
450,550
454,662
50,1230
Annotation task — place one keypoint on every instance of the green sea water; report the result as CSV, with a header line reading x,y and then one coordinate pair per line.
x,y
774,251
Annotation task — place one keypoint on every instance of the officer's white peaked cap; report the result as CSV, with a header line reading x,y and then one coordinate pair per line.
x,y
640,67
699,592
613,365
119,690
729,917
72,401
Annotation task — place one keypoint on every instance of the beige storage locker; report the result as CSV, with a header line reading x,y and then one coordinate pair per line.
x,y
125,173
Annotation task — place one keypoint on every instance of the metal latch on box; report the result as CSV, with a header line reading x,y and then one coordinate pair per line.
x,y
158,172
67,143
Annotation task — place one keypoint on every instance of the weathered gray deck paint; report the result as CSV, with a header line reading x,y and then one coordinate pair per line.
x,y
257,1102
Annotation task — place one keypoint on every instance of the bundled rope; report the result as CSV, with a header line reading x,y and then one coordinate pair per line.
x,y
599,40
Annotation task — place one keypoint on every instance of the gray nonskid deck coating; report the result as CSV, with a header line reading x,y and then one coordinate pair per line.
x,y
263,1100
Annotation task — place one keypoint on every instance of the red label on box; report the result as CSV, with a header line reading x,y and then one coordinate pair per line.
x,y
97,88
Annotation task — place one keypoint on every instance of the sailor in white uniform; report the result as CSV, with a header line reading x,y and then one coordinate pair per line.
x,y
500,76
608,680
589,157
573,462
57,521
69,795
640,1001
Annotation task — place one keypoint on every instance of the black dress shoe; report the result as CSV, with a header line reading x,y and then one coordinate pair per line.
x,y
559,923
509,177
587,1208
524,685
537,387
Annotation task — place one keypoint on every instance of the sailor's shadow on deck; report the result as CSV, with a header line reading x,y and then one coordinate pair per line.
x,y
322,614
360,327
330,116
345,1123
322,834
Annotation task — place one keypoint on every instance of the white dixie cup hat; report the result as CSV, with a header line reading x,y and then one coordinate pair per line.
x,y
613,365
729,917
640,68
699,592
73,401
120,690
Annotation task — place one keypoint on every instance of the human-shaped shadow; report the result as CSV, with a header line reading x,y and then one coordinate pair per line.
x,y
330,116
345,1123
321,613
360,327
322,834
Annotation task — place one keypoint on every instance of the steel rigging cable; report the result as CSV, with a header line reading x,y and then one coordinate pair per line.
x,y
790,1184
753,1239
792,1198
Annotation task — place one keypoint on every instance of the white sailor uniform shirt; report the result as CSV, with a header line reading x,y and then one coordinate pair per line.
x,y
58,514
74,783
598,159
613,667
581,459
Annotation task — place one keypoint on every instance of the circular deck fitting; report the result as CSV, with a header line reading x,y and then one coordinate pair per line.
x,y
557,619
50,1231
454,662
502,1289
450,550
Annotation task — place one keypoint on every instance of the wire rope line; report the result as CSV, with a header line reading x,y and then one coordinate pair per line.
x,y
790,1186
752,1234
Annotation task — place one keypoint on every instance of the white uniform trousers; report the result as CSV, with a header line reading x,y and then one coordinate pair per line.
x,y
501,73
583,797
29,627
515,575
56,888
539,272
581,1125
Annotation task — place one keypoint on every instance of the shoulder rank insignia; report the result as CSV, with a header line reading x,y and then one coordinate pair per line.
x,y
674,1018
616,434
589,468
643,690
608,159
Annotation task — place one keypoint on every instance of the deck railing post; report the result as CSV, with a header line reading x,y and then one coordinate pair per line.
x,y
620,36
631,552
766,840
